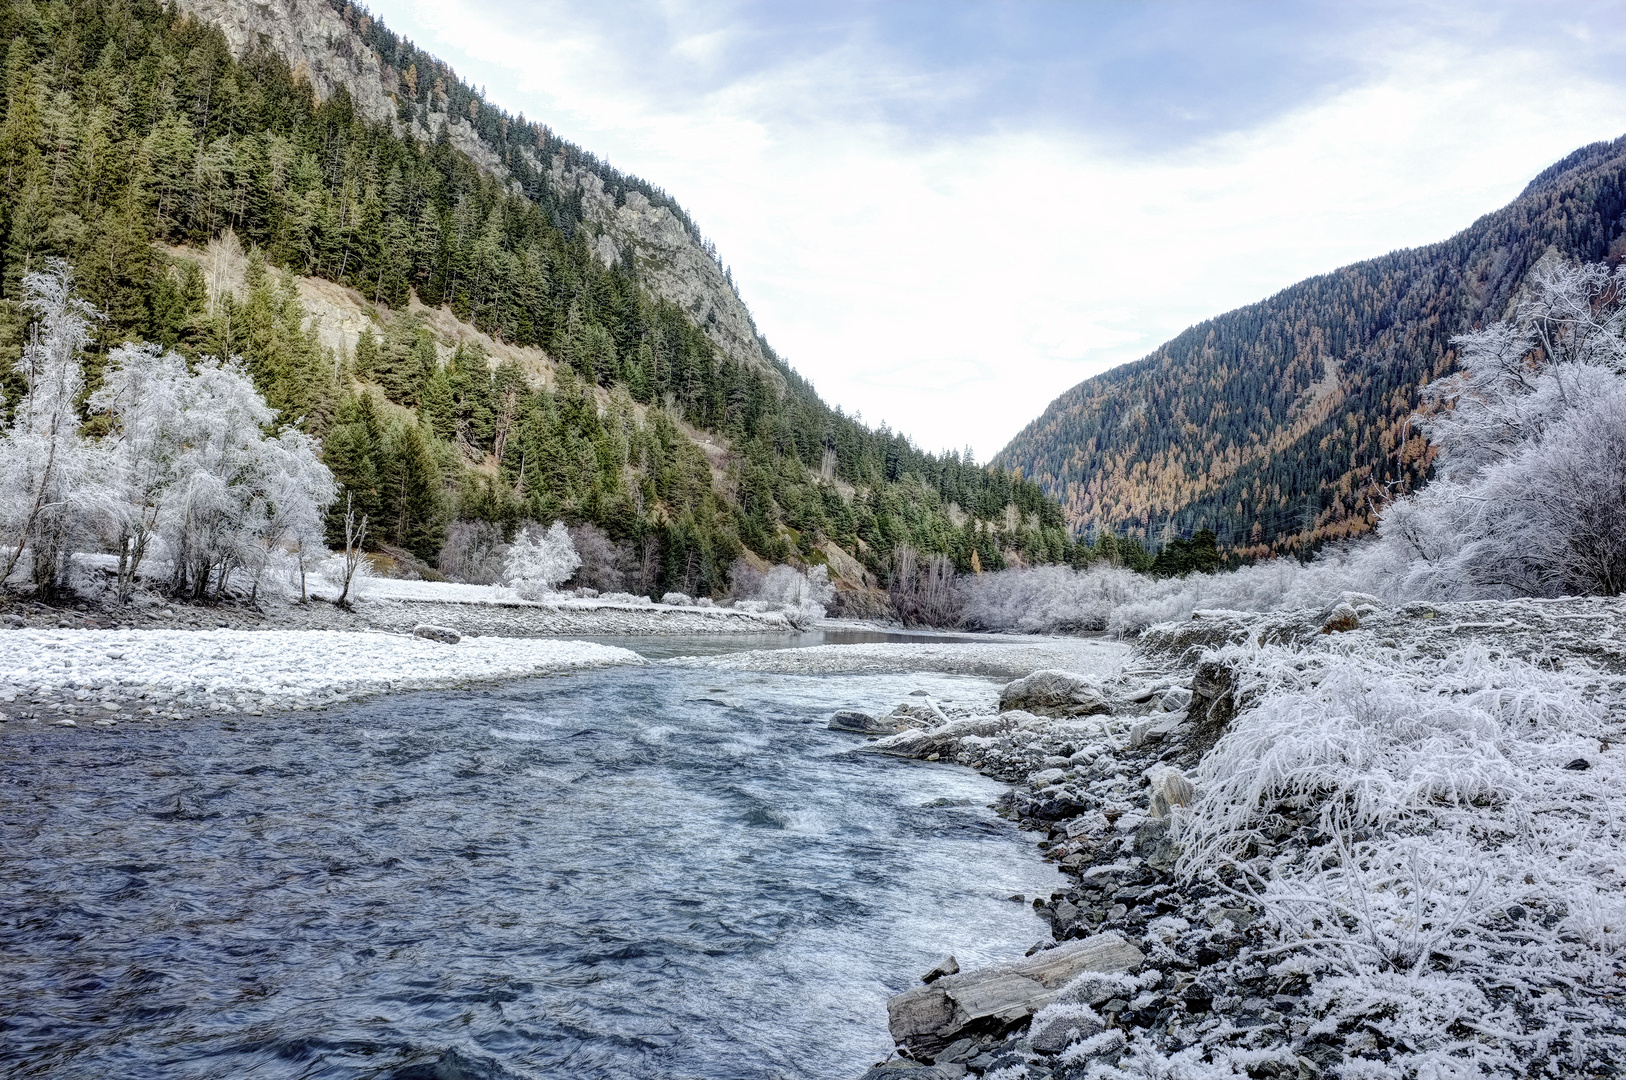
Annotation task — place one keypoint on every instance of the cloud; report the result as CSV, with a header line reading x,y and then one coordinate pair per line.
x,y
924,231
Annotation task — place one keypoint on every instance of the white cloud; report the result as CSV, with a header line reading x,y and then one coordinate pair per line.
x,y
953,286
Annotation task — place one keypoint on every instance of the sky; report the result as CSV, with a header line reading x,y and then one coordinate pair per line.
x,y
946,214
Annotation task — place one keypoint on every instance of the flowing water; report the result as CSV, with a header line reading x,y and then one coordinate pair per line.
x,y
639,872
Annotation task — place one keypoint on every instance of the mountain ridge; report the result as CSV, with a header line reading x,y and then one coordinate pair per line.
x,y
1286,423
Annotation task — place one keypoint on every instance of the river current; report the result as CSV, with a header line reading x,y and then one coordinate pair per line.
x,y
662,872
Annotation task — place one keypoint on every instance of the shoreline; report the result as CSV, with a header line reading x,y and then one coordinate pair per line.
x,y
1113,771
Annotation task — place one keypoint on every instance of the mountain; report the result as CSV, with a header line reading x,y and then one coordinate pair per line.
x,y
1285,423
481,321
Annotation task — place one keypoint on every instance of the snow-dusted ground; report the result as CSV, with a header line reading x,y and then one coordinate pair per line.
x,y
141,674
992,658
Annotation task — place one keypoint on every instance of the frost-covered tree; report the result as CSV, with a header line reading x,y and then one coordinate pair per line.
x,y
1530,474
142,394
538,562
52,488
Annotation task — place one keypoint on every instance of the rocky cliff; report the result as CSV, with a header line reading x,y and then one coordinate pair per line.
x,y
332,50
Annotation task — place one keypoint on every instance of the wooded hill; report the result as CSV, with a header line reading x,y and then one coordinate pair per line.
x,y
134,137
1286,422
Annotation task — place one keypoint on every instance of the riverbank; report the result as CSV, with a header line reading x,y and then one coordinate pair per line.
x,y
1352,842
112,677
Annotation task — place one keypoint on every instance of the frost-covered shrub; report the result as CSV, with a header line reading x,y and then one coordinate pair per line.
x,y
1059,599
186,461
677,599
1531,433
539,562
804,593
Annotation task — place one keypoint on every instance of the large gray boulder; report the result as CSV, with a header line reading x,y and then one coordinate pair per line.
x,y
928,1018
862,723
1055,693
443,634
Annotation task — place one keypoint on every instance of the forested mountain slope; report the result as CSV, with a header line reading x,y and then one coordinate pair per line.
x,y
479,320
1287,421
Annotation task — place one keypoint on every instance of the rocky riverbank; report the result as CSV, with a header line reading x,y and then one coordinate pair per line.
x,y
1303,846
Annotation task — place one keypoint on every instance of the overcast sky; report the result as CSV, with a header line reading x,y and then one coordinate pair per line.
x,y
945,214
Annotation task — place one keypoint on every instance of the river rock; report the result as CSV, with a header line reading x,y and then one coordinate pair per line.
x,y
13,622
861,723
946,966
1341,619
443,634
926,1019
1052,1034
1054,693
911,1070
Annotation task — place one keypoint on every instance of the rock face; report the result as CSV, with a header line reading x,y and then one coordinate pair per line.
x,y
668,259
321,46
861,723
669,262
928,1018
1054,693
443,634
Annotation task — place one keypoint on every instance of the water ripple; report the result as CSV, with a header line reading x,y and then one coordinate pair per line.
x,y
638,872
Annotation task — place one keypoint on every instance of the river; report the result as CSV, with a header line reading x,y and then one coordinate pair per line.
x,y
661,872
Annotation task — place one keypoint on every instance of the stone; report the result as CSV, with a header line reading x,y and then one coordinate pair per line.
x,y
14,622
1169,789
1056,1033
1056,694
861,723
946,966
443,634
928,1018
911,1070
1341,619
1176,700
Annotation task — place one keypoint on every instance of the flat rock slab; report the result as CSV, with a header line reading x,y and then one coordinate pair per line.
x,y
926,1019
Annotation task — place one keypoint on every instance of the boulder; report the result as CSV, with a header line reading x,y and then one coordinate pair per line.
x,y
1054,693
14,622
928,1018
1169,788
443,634
946,966
1063,1026
1341,619
862,723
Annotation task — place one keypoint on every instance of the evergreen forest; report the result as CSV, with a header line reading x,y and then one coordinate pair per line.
x,y
133,138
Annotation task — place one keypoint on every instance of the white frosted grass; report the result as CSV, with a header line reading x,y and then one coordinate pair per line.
x,y
239,670
1468,904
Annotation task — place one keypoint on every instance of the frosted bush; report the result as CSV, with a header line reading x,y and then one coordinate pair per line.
x,y
539,562
1059,599
804,594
